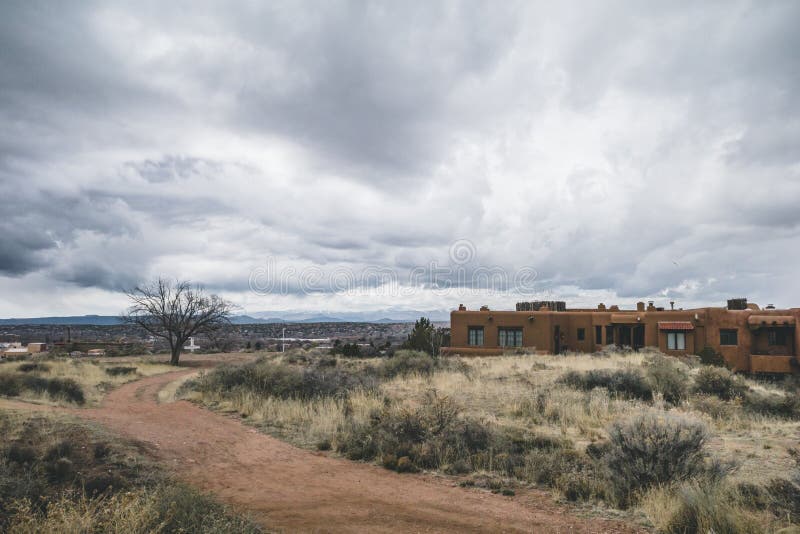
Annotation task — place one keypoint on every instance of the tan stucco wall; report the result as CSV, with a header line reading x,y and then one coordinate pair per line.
x,y
538,331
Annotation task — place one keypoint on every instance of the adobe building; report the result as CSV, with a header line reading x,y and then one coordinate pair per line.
x,y
750,339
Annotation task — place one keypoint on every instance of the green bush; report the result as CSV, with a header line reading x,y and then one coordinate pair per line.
x,y
407,362
120,370
709,356
650,450
432,436
710,508
784,499
183,509
33,366
785,406
58,388
437,436
10,385
719,382
668,377
66,388
626,383
285,381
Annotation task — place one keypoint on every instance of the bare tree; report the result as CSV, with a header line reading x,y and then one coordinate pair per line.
x,y
175,311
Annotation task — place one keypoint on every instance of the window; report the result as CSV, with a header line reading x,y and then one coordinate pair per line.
x,y
509,337
475,335
777,338
676,340
609,334
728,337
581,334
598,335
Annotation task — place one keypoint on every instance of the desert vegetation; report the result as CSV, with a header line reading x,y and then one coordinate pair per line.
x,y
61,475
69,381
677,444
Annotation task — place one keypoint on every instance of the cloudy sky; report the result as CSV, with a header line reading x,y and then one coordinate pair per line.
x,y
608,151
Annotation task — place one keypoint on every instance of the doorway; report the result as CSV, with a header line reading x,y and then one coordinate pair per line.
x,y
624,337
638,337
557,339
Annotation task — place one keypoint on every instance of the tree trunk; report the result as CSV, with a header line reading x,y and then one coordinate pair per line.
x,y
176,354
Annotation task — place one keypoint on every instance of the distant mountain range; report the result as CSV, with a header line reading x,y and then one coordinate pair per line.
x,y
265,317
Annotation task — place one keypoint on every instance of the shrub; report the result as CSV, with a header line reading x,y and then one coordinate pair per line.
x,y
348,350
21,453
60,470
33,366
62,449
785,406
120,370
407,362
784,499
66,388
710,508
650,450
183,509
10,385
14,384
431,436
709,356
719,382
284,381
627,383
669,377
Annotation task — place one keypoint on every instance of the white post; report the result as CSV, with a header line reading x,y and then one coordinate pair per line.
x,y
283,340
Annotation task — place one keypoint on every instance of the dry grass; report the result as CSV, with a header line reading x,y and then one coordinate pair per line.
x,y
91,374
108,486
303,422
522,392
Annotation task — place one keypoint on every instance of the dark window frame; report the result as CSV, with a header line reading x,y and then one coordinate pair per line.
x,y
598,335
517,335
676,333
728,337
777,338
609,334
476,330
581,335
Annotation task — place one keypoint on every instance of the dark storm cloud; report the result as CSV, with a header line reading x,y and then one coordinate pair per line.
x,y
644,149
371,83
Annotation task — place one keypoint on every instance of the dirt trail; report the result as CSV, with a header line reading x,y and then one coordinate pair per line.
x,y
291,489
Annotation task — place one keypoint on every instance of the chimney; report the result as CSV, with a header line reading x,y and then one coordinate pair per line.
x,y
484,308
672,305
640,306
461,307
650,306
601,306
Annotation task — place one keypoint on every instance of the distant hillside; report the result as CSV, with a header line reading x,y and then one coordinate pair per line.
x,y
97,320
260,318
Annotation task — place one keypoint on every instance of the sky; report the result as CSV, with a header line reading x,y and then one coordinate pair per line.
x,y
409,155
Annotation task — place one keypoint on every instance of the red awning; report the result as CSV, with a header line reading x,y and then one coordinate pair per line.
x,y
675,325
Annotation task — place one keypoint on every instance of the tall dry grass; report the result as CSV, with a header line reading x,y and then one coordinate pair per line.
x,y
90,374
523,393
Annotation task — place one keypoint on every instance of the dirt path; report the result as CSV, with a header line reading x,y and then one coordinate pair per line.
x,y
291,489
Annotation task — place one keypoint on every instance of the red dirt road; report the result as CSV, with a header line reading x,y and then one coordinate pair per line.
x,y
290,489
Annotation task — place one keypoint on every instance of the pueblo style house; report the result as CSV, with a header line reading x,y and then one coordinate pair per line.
x,y
749,338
